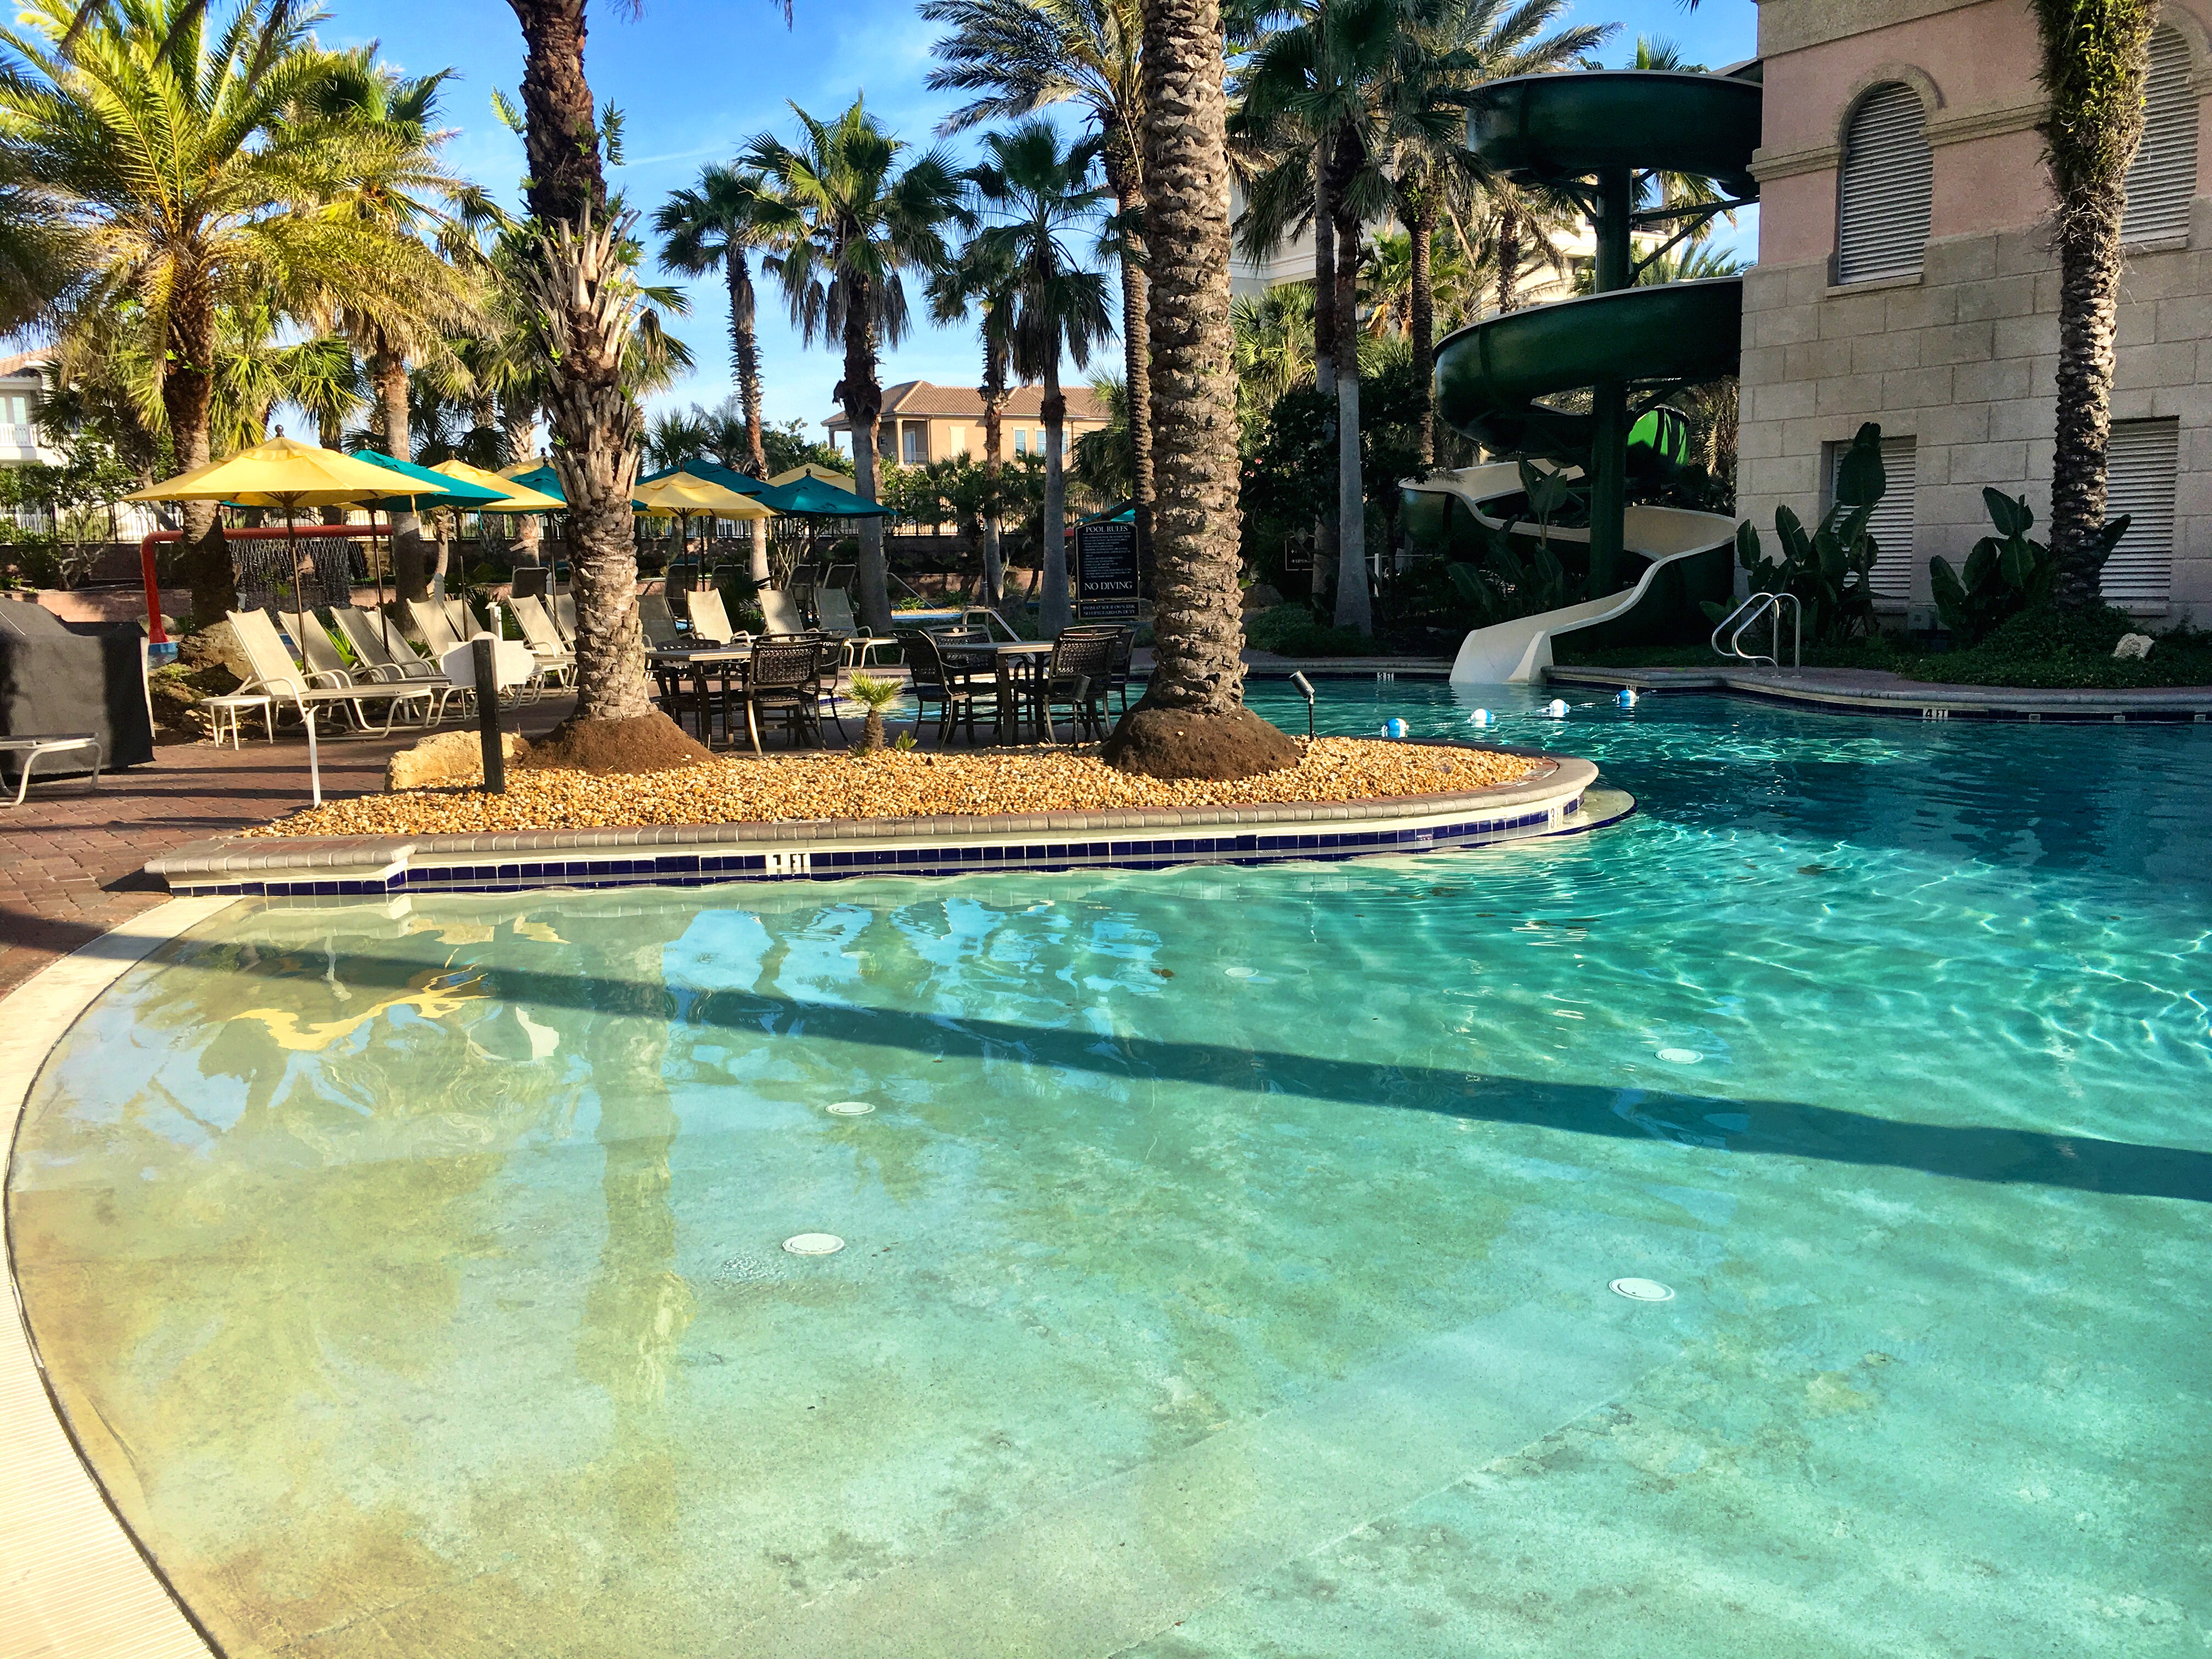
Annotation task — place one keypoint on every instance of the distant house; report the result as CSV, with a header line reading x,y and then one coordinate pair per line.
x,y
20,384
923,422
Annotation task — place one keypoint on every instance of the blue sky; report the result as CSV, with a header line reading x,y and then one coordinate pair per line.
x,y
696,79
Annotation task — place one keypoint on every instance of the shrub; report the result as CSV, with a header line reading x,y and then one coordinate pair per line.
x,y
1829,569
1291,630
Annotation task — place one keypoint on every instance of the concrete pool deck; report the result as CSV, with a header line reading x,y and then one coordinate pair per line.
x,y
74,1584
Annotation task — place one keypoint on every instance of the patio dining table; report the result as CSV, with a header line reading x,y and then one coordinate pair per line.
x,y
1015,666
701,665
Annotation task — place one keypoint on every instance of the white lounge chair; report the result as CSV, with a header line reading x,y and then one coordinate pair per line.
x,y
396,664
564,616
780,611
835,607
710,618
279,676
554,660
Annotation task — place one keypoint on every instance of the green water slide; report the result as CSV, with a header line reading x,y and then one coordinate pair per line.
x,y
1499,381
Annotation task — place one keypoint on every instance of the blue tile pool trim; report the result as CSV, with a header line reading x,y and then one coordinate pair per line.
x,y
706,855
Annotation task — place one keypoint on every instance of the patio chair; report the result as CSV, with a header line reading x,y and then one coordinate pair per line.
x,y
961,697
785,678
780,611
1077,676
1124,640
396,664
277,675
27,752
555,659
464,622
658,621
834,608
564,616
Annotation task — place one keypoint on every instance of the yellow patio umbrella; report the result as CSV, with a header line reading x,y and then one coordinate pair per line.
x,y
686,493
520,498
814,470
282,473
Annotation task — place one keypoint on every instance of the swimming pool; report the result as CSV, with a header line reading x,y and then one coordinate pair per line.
x,y
1225,1252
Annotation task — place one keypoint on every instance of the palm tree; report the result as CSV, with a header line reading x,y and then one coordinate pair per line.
x,y
1311,95
1040,194
1274,347
2096,54
853,222
980,276
576,267
1445,51
1023,55
1192,722
172,152
716,224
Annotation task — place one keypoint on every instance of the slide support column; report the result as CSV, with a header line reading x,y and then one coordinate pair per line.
x,y
1609,398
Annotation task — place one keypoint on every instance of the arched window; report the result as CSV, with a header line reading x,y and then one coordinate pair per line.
x,y
1888,186
2162,179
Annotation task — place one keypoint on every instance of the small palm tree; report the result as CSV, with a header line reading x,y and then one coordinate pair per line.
x,y
875,695
1040,195
852,222
1023,55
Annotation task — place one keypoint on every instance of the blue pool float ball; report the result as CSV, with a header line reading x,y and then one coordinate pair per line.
x,y
1480,717
1628,698
1394,728
1557,708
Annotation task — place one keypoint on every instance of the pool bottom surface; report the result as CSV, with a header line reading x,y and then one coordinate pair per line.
x,y
1226,1252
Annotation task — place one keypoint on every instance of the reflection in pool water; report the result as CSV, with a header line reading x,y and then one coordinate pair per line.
x,y
1227,1253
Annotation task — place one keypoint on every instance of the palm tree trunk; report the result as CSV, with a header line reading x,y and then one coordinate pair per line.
x,y
1509,257
578,278
1053,614
1124,177
581,290
187,398
1353,609
744,353
1192,722
2095,56
1421,226
864,404
994,392
1324,325
387,374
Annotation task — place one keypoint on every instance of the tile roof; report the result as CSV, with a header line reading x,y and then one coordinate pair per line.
x,y
915,398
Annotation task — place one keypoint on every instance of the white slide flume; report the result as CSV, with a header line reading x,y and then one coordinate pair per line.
x,y
1517,652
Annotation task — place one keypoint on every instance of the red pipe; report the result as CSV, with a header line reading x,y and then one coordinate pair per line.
x,y
154,633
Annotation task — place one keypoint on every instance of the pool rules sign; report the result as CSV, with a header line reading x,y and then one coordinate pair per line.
x,y
1106,571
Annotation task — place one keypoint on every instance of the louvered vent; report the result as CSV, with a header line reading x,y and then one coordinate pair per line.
x,y
1892,523
2140,465
1888,186
2162,180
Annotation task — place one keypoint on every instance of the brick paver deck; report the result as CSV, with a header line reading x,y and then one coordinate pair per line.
x,y
71,858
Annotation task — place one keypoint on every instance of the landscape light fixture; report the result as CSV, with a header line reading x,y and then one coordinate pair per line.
x,y
1306,686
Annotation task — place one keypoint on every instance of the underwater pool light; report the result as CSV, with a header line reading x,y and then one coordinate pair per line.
x,y
1641,1289
1681,1056
848,1108
814,1244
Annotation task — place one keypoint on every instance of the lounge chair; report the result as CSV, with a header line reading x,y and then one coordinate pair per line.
x,y
780,611
393,664
277,676
554,660
710,618
564,616
834,608
658,621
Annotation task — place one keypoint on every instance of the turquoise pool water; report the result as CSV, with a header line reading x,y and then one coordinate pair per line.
x,y
1226,1252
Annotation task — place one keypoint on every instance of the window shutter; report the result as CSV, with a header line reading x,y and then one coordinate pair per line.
x,y
1892,522
1888,188
2140,464
2162,179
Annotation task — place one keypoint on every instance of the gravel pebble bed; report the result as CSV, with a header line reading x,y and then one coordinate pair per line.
x,y
802,788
